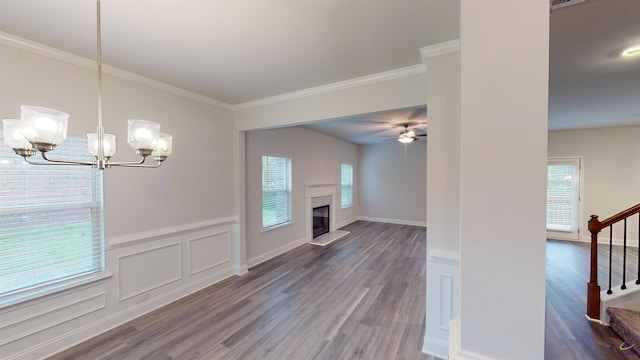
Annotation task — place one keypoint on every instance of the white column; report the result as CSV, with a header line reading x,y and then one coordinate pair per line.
x,y
486,183
443,194
503,154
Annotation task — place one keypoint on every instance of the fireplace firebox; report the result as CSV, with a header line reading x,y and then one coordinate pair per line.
x,y
320,220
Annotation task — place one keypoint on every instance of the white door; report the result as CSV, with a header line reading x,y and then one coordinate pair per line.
x,y
563,198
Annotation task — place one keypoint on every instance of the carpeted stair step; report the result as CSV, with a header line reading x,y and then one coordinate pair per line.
x,y
626,323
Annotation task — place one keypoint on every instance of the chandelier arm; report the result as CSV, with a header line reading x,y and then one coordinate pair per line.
x,y
126,163
60,161
138,165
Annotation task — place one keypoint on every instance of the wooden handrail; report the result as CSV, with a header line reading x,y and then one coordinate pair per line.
x,y
595,226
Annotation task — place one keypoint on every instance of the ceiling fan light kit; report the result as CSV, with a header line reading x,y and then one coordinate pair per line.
x,y
408,136
632,51
406,139
41,130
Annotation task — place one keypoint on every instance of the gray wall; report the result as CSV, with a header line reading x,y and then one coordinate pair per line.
x,y
316,159
611,170
393,182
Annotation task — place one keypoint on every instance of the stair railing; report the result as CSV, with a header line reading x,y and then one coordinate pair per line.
x,y
595,226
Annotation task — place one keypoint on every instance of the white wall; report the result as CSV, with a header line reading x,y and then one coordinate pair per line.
x,y
611,171
392,182
396,92
316,159
169,231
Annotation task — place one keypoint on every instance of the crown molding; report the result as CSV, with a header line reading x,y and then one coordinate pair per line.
x,y
56,54
440,49
322,89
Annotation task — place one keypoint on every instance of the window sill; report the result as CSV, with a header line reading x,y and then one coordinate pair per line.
x,y
27,296
346,206
274,227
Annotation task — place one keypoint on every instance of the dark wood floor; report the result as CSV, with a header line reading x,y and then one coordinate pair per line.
x,y
361,297
569,335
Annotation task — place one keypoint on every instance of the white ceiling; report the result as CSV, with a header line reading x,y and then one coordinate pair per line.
x,y
590,84
238,51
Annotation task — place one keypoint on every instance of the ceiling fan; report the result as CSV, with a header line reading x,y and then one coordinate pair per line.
x,y
408,136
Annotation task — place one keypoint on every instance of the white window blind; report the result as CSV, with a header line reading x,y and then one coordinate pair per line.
x,y
347,185
560,197
276,191
50,220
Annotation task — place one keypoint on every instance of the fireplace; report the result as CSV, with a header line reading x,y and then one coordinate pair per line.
x,y
320,220
320,214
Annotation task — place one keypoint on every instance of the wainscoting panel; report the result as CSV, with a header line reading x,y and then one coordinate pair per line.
x,y
144,271
446,300
150,269
207,252
442,300
17,324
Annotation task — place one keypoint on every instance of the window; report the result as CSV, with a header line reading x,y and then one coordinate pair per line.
x,y
276,191
563,195
347,185
50,221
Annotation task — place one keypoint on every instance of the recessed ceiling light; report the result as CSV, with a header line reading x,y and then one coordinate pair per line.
x,y
635,50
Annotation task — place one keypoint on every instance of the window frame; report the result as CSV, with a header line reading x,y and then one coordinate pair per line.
x,y
41,213
287,190
577,178
344,205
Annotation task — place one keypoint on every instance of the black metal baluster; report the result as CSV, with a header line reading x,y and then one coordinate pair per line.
x,y
624,257
638,278
610,256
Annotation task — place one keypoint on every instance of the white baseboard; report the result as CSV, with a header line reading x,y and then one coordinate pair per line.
x,y
435,347
241,270
274,252
469,355
346,222
90,330
605,240
393,221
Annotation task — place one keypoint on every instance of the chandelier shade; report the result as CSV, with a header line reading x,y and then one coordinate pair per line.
x,y
108,144
13,134
143,135
43,126
164,146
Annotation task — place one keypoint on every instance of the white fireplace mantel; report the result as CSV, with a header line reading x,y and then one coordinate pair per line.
x,y
317,190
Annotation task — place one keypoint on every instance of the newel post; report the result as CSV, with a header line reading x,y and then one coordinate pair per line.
x,y
593,289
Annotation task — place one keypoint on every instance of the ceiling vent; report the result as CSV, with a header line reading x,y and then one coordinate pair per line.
x,y
557,4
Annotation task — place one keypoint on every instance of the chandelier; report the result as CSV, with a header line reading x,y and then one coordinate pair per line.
x,y
41,130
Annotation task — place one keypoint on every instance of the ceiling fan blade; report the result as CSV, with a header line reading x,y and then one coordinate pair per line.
x,y
418,113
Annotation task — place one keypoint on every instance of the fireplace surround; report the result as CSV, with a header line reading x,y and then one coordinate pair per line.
x,y
318,195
